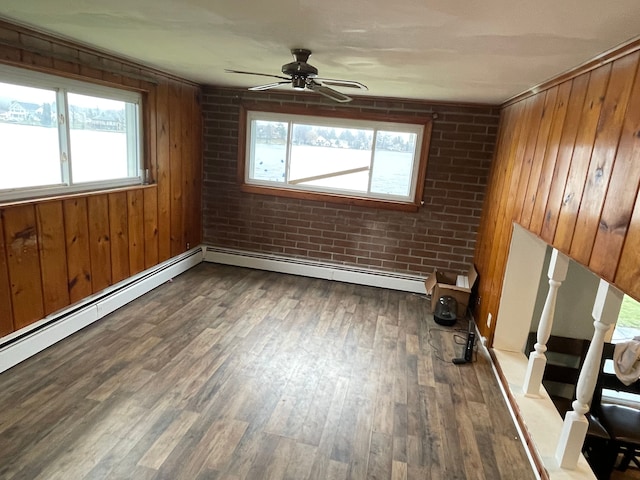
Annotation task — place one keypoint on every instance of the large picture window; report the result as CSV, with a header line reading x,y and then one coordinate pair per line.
x,y
62,136
372,159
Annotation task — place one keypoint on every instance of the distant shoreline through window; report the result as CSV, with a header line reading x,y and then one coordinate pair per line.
x,y
62,136
373,160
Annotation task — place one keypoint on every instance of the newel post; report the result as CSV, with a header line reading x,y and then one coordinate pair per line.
x,y
605,313
537,359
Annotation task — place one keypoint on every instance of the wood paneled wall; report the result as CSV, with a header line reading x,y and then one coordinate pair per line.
x,y
54,252
567,168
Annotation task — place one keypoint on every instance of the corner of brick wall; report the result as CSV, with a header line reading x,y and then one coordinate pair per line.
x,y
441,234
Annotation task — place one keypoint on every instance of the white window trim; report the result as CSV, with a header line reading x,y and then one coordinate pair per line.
x,y
334,122
62,85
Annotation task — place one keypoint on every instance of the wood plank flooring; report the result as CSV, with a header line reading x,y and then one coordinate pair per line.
x,y
231,373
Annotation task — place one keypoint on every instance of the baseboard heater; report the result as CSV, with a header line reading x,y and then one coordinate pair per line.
x,y
28,341
315,269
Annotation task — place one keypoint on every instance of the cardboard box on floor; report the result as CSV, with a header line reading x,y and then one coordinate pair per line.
x,y
441,283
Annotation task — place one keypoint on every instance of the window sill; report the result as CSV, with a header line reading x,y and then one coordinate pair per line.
x,y
327,197
86,193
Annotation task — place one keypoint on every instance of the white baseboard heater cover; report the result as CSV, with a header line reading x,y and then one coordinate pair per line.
x,y
40,335
30,340
310,268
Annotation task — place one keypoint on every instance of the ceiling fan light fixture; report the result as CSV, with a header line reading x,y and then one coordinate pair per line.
x,y
298,83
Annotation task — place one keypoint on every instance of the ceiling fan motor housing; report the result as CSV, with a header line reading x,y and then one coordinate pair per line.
x,y
301,69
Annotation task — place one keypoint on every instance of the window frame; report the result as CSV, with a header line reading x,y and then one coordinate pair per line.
x,y
61,85
422,152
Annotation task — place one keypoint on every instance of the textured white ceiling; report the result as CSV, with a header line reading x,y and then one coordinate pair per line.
x,y
449,50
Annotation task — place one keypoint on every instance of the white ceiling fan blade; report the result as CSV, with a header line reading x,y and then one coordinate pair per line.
x,y
332,94
255,73
269,85
341,83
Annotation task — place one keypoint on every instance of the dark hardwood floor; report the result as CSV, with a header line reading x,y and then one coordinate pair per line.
x,y
230,373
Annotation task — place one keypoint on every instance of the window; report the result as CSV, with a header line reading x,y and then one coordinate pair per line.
x,y
628,325
61,136
370,160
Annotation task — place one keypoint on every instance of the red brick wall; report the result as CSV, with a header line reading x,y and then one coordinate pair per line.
x,y
441,234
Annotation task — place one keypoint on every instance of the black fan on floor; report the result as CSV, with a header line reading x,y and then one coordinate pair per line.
x,y
302,75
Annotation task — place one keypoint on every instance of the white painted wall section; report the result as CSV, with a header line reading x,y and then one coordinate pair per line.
x,y
520,290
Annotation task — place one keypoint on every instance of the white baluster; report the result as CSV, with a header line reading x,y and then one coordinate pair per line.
x,y
537,359
605,313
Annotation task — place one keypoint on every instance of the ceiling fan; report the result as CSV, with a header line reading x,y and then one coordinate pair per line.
x,y
302,75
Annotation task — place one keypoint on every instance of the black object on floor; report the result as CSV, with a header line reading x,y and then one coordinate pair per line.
x,y
446,311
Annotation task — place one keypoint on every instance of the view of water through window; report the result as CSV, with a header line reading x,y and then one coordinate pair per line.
x,y
33,155
334,158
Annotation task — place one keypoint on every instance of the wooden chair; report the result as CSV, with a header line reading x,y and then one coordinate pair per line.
x,y
620,418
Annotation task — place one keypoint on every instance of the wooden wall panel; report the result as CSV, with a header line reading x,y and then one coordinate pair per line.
x,y
563,162
197,171
628,274
53,254
175,168
99,241
151,139
546,121
163,166
6,310
7,53
76,231
119,234
88,63
530,138
135,213
621,194
84,243
519,169
29,54
186,135
612,115
60,65
581,192
150,199
550,157
489,221
23,261
580,159
504,201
